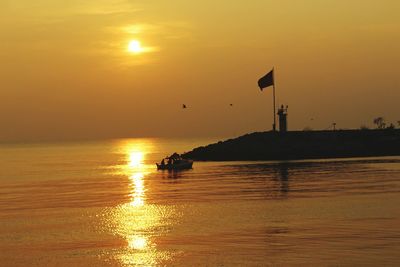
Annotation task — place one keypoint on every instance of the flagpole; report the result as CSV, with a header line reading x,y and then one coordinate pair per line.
x,y
273,78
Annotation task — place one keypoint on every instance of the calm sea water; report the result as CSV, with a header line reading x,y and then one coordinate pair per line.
x,y
105,204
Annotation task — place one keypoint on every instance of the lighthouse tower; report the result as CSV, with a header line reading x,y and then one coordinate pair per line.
x,y
282,113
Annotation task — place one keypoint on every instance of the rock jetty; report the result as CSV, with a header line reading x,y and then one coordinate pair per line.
x,y
296,145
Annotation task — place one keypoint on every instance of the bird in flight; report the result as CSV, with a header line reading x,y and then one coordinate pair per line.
x,y
184,106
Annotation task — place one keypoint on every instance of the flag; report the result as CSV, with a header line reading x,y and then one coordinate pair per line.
x,y
267,80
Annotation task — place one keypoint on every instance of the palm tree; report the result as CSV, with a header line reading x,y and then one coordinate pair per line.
x,y
380,122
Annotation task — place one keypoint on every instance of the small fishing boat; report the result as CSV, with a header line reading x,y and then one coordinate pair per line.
x,y
175,162
185,164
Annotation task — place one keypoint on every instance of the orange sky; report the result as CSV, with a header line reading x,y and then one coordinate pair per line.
x,y
66,72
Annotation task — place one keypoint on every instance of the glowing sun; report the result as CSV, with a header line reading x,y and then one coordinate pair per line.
x,y
135,47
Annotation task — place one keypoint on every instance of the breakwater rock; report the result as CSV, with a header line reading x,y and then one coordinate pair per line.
x,y
295,145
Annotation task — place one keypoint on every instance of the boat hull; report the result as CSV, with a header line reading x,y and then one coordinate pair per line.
x,y
179,166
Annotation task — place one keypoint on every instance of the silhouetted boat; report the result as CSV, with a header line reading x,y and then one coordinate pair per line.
x,y
181,165
175,162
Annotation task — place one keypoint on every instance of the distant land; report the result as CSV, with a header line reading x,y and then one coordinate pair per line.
x,y
296,145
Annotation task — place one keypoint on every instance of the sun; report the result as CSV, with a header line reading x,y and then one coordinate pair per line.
x,y
135,47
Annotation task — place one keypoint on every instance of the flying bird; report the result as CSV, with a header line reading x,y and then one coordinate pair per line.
x,y
183,106
231,105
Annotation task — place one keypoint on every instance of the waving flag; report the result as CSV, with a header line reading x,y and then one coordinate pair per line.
x,y
267,80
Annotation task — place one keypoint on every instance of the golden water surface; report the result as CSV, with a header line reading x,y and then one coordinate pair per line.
x,y
105,204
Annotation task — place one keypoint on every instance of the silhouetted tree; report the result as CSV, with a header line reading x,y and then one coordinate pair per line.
x,y
380,122
390,127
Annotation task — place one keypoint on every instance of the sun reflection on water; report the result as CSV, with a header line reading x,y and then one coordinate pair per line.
x,y
137,193
137,221
136,176
135,159
136,170
138,242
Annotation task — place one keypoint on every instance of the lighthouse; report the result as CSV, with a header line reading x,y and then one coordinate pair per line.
x,y
282,113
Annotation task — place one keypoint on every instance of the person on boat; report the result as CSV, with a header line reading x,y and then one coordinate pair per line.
x,y
175,156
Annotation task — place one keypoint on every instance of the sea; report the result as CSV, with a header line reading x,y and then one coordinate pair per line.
x,y
104,203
